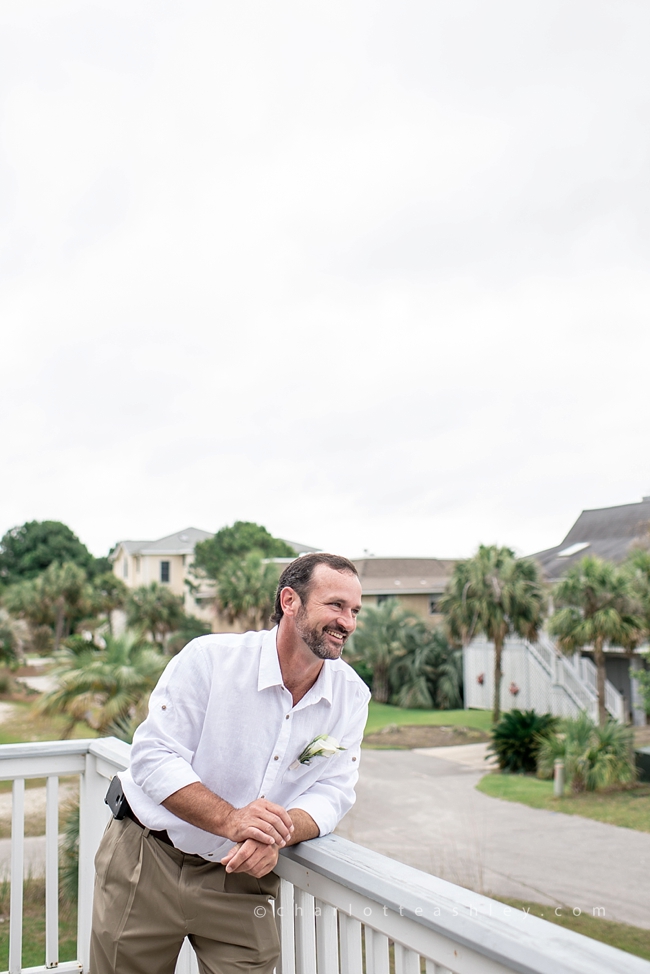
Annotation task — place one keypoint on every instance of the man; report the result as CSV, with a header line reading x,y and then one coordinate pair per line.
x,y
219,783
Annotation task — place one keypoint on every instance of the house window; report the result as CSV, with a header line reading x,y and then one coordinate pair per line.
x,y
164,571
433,604
125,568
137,564
382,598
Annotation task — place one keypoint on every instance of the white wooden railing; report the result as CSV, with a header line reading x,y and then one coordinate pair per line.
x,y
342,909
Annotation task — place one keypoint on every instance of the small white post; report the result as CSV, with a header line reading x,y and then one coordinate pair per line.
x,y
558,778
52,872
17,871
93,816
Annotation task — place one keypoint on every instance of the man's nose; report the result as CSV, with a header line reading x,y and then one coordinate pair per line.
x,y
348,620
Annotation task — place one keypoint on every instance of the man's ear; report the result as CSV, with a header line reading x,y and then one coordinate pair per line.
x,y
290,601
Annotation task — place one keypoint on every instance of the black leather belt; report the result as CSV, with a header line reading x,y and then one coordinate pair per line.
x,y
162,834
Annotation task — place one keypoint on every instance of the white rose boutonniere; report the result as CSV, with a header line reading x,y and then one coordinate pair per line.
x,y
322,746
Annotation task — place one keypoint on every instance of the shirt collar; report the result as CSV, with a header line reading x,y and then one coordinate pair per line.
x,y
270,674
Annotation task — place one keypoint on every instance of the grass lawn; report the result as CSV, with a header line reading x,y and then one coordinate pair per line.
x,y
630,808
635,940
34,926
382,714
25,724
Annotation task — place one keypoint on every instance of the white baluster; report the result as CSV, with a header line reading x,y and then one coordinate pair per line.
x,y
305,933
284,911
351,952
433,968
327,940
380,953
406,961
52,872
17,870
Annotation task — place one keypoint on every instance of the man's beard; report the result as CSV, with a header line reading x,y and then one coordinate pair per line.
x,y
315,638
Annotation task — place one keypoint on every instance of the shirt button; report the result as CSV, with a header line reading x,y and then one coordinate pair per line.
x,y
287,717
164,706
276,757
354,759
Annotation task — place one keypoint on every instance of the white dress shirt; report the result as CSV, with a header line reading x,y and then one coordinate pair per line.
x,y
221,715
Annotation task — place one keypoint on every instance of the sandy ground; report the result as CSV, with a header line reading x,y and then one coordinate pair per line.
x,y
42,683
6,710
415,735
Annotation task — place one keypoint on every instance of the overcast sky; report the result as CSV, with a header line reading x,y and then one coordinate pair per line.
x,y
374,274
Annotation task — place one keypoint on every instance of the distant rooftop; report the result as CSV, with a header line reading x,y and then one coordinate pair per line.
x,y
183,542
608,532
408,576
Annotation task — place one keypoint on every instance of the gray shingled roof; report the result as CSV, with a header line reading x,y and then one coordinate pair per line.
x,y
301,549
182,543
392,576
607,532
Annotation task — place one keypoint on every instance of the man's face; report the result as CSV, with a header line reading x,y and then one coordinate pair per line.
x,y
330,615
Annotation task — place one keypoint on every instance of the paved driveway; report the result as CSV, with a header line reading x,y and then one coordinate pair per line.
x,y
421,807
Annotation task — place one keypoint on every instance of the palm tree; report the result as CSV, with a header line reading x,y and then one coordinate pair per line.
x,y
594,757
379,641
154,609
595,606
54,599
103,686
108,593
496,594
430,672
637,567
14,635
246,590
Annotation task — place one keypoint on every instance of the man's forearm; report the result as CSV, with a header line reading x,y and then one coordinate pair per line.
x,y
199,806
304,826
260,819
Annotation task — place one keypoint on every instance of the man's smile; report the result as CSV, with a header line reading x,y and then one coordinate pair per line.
x,y
337,634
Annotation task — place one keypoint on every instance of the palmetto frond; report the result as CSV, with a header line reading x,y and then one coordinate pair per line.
x,y
103,685
246,590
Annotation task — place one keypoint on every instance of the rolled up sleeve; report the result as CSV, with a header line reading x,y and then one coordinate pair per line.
x,y
164,745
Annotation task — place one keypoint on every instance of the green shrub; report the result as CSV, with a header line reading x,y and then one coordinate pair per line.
x,y
69,855
517,737
594,757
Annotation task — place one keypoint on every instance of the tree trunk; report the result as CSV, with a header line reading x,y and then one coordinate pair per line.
x,y
60,619
380,684
601,676
496,705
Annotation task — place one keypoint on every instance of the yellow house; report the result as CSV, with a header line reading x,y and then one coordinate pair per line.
x,y
166,561
416,583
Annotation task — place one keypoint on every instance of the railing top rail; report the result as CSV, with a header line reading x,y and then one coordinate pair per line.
x,y
113,751
525,943
109,749
44,749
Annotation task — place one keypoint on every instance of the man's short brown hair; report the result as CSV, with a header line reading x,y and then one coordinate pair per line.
x,y
298,576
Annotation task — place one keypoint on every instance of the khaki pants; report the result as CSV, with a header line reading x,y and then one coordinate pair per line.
x,y
150,896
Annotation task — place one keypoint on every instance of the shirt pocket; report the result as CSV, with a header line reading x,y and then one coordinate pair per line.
x,y
303,774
